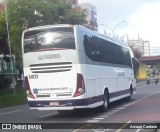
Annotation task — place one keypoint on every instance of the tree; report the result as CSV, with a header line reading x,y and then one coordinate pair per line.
x,y
3,35
137,53
30,13
92,25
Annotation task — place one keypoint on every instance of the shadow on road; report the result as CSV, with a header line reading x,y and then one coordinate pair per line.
x,y
82,114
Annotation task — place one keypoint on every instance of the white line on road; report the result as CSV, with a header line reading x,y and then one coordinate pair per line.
x,y
48,115
87,125
116,110
104,116
10,112
122,127
93,121
121,108
138,130
98,118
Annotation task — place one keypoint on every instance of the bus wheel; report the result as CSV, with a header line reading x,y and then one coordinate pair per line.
x,y
130,96
104,107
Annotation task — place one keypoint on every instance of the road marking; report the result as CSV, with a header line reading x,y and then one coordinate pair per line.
x,y
121,108
115,111
126,105
87,125
98,118
138,130
93,121
10,112
48,115
108,114
104,116
121,128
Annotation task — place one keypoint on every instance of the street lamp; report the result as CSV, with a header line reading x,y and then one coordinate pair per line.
x,y
116,26
108,27
113,29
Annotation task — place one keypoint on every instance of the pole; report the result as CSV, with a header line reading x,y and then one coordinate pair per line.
x,y
112,29
108,27
116,26
11,59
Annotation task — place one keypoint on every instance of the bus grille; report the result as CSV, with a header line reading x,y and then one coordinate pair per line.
x,y
51,67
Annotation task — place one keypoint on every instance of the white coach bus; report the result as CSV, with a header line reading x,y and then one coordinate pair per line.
x,y
69,67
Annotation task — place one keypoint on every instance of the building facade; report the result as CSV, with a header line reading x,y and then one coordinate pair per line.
x,y
146,48
136,44
140,45
91,15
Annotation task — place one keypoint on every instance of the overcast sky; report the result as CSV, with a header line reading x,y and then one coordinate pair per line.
x,y
141,17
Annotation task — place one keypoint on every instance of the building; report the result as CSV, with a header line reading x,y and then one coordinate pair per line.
x,y
146,45
140,45
91,16
136,44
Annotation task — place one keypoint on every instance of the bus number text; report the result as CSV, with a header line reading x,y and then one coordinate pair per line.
x,y
33,76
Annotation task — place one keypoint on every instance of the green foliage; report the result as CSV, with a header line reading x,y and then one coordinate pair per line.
x,y
155,70
8,99
4,81
9,91
2,23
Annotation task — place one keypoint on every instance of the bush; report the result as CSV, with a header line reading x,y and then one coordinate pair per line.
x,y
10,100
4,81
7,98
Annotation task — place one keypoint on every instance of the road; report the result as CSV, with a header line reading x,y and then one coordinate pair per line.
x,y
143,108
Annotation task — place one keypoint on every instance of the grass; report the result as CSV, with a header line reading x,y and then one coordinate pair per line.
x,y
7,98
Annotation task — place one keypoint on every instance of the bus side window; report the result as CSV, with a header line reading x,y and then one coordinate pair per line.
x,y
92,47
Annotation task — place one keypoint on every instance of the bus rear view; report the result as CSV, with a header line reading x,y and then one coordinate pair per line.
x,y
50,68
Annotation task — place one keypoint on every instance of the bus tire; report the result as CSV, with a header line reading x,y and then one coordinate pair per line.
x,y
105,105
130,96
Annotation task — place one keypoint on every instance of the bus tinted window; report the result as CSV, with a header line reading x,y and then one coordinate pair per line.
x,y
49,38
101,50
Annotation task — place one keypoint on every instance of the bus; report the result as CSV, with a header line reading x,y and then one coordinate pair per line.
x,y
68,67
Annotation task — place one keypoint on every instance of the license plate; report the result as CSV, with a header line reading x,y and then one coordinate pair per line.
x,y
54,103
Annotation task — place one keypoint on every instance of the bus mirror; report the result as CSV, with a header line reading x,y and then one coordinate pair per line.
x,y
135,63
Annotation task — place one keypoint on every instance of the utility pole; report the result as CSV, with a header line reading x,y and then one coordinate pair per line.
x,y
10,53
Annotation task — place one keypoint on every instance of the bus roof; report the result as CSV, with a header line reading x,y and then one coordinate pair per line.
x,y
50,26
70,25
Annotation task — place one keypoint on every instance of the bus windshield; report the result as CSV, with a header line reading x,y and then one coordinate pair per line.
x,y
49,38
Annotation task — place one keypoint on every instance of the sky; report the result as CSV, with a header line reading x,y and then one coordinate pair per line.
x,y
142,17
